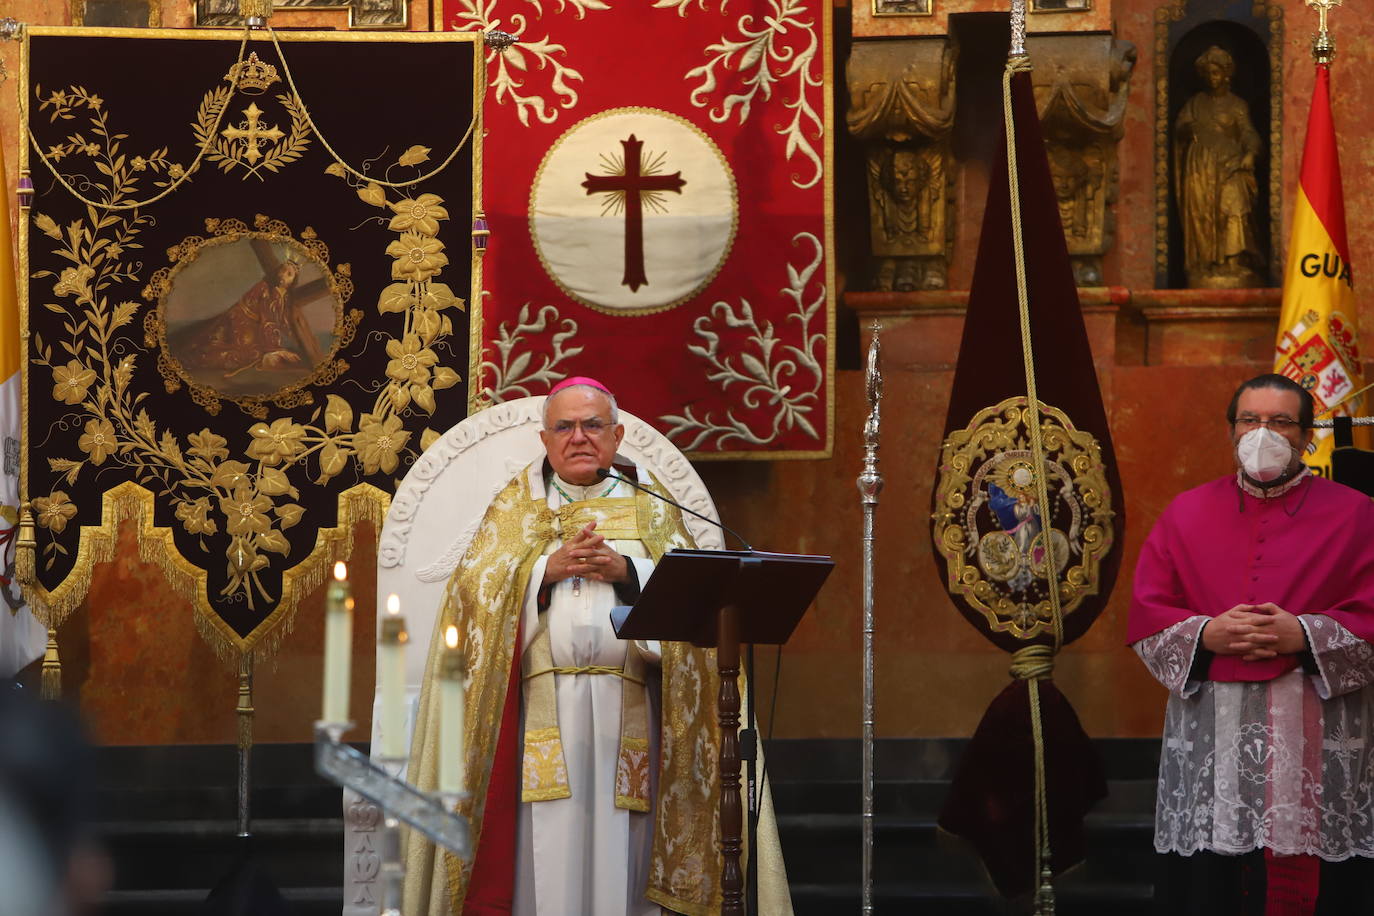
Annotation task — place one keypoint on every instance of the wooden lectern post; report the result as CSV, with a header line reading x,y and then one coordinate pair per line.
x,y
718,599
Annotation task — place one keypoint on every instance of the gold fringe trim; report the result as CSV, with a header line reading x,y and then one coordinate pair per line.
x,y
157,547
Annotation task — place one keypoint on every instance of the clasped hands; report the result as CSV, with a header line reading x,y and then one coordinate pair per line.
x,y
588,556
1254,632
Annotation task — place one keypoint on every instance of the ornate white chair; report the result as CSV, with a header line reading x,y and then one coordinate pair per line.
x,y
433,517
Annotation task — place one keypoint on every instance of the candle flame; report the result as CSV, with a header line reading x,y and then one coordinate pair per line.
x,y
451,637
340,571
393,604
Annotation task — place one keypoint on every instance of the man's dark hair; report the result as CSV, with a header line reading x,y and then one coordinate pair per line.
x,y
1278,383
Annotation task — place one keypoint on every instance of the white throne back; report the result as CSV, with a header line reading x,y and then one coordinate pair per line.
x,y
433,517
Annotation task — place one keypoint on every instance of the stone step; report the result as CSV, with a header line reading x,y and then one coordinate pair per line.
x,y
302,901
896,898
183,855
913,848
923,796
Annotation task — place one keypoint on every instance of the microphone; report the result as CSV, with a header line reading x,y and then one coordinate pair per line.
x,y
604,473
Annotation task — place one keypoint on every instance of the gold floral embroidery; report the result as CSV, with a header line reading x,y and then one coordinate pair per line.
x,y
55,511
545,773
250,492
632,775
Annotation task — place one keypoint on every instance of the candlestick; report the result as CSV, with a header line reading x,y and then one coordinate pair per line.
x,y
391,660
338,646
452,672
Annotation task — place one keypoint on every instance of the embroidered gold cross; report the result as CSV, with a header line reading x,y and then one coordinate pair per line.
x,y
252,133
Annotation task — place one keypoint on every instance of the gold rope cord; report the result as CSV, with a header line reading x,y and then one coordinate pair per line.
x,y
214,131
617,670
291,82
1033,666
176,182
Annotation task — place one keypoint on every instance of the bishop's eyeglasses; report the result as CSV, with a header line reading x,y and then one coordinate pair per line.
x,y
1279,424
591,427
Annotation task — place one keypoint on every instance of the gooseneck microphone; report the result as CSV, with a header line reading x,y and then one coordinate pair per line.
x,y
604,473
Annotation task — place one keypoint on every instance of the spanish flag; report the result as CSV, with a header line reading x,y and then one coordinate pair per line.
x,y
22,638
1317,344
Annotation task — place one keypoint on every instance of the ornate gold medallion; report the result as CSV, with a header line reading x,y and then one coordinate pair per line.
x,y
250,315
988,523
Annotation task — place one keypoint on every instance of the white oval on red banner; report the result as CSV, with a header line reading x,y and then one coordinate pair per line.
x,y
633,211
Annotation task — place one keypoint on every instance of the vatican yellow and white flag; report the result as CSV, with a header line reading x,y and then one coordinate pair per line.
x,y
1317,344
22,638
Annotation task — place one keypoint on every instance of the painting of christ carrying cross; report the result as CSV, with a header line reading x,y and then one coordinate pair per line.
x,y
250,317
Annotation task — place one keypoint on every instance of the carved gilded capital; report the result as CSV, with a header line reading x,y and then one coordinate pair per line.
x,y
1081,86
902,108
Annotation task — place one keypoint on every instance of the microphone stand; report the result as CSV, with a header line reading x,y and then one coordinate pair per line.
x,y
748,736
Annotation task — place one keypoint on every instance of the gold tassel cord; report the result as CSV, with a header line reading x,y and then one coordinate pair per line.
x,y
51,685
1044,896
26,550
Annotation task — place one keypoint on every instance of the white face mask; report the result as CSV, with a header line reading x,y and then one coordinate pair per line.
x,y
1263,454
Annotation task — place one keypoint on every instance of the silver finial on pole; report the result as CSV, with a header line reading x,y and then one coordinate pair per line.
x,y
870,485
1018,28
1323,46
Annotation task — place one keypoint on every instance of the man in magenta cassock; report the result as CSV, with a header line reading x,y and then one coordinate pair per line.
x,y
1254,605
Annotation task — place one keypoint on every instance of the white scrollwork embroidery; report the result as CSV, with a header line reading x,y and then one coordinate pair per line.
x,y
546,56
764,55
391,550
513,374
787,384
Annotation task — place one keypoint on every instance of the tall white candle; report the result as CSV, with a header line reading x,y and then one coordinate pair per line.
x,y
391,660
452,672
338,646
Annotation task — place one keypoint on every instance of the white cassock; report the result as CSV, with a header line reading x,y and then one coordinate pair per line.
x,y
583,855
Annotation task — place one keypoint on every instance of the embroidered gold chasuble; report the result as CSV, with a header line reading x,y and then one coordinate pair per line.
x,y
484,598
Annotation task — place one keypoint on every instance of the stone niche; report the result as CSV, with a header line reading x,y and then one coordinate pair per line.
x,y
1218,145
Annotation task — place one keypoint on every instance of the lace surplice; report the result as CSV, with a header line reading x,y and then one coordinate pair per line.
x,y
1284,764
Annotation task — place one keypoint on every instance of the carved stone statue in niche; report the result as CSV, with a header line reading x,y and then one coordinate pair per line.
x,y
902,107
1081,86
907,199
1078,178
1215,147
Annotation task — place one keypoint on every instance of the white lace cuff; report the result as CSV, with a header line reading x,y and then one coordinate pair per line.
x,y
1344,661
1169,654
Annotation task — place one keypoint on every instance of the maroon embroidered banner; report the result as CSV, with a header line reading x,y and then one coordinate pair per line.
x,y
658,213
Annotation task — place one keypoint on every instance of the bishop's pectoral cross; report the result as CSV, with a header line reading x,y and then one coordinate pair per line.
x,y
634,188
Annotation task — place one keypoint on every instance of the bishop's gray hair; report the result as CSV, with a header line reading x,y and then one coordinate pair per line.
x,y
615,410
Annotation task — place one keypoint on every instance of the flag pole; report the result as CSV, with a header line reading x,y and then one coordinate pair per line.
x,y
870,485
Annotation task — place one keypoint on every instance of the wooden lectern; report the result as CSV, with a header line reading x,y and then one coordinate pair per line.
x,y
719,599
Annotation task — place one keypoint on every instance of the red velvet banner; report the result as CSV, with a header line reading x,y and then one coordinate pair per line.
x,y
656,185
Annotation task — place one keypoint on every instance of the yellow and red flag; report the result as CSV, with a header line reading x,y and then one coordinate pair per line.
x,y
22,638
1317,344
